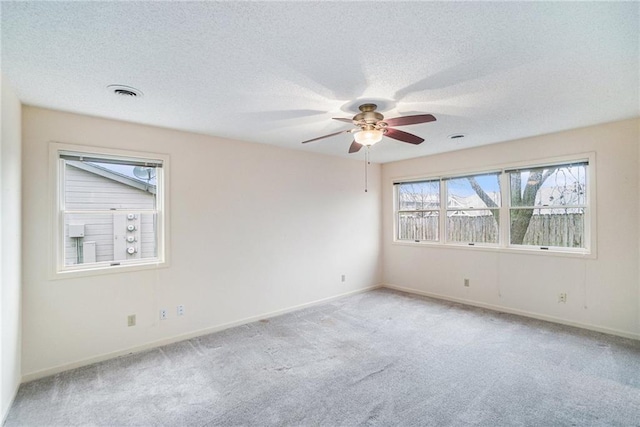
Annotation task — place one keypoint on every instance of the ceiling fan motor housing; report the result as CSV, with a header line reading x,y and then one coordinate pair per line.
x,y
368,118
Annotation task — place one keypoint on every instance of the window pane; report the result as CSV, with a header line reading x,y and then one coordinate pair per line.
x,y
90,186
562,227
419,195
563,185
418,226
109,237
478,191
472,226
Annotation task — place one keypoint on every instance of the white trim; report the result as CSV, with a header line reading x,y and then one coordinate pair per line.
x,y
105,153
106,268
525,250
504,229
57,269
502,309
590,230
206,331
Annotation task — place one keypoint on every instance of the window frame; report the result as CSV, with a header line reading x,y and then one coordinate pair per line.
x,y
445,199
398,211
58,268
504,238
586,209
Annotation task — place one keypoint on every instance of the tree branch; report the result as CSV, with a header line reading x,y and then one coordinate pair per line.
x,y
481,193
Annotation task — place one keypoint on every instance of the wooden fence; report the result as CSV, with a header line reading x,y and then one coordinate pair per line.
x,y
562,230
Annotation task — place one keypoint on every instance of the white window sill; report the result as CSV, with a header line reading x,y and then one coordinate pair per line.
x,y
525,250
102,269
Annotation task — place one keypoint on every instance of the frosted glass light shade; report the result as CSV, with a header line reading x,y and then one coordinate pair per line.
x,y
368,137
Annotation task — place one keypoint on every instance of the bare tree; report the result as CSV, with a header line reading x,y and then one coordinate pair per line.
x,y
486,198
520,218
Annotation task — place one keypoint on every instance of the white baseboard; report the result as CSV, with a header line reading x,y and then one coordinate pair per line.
x,y
84,362
524,313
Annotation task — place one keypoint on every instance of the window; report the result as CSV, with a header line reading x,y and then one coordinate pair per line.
x,y
110,210
544,207
418,210
548,205
473,208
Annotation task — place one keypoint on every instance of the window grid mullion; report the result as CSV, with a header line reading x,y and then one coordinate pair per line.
x,y
106,211
505,198
549,207
472,209
418,210
444,201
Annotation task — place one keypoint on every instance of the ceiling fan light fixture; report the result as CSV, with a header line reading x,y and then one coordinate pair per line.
x,y
368,137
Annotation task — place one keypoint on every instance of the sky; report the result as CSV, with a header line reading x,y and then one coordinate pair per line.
x,y
567,176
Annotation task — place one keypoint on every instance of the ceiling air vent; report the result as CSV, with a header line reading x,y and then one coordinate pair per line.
x,y
127,91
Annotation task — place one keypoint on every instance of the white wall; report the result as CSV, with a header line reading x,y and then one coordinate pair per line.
x,y
10,267
254,229
603,293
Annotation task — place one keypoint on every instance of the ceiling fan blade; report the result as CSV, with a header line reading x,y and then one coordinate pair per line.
x,y
403,136
355,147
411,120
326,136
343,120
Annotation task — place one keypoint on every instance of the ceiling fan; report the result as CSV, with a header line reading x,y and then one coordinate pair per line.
x,y
371,126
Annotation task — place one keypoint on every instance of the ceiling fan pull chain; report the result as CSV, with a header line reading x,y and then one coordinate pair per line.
x,y
366,164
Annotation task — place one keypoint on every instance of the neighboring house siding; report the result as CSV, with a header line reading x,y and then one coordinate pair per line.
x,y
147,236
85,190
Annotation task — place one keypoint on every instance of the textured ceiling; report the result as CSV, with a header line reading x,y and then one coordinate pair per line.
x,y
276,72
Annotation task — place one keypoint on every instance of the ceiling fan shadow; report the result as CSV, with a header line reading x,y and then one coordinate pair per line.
x,y
436,112
460,73
351,85
278,115
342,78
442,111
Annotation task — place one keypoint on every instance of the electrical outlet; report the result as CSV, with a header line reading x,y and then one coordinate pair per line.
x,y
131,320
466,282
344,278
180,310
163,314
562,297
